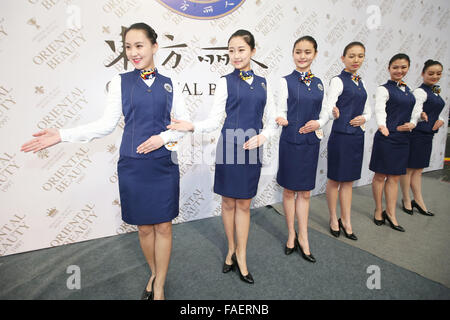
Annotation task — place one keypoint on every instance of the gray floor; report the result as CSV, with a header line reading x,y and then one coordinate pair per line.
x,y
114,268
423,248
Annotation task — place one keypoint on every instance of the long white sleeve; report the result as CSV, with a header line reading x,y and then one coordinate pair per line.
x,y
334,91
179,112
367,112
217,113
381,97
103,126
269,125
421,97
282,101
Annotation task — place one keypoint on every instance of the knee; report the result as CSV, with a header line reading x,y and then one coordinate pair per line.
x,y
164,229
393,179
332,184
229,204
305,195
243,205
146,230
379,177
289,194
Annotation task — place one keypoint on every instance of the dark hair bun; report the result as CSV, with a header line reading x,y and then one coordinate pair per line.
x,y
430,63
246,35
149,31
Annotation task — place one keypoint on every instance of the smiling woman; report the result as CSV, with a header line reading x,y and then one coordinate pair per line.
x,y
148,179
245,100
396,116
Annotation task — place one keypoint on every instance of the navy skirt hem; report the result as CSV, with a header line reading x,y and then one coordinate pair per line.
x,y
421,145
149,190
390,154
297,165
345,156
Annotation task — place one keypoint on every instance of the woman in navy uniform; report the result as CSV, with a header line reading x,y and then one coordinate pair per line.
x,y
301,96
347,100
244,99
431,103
148,178
396,116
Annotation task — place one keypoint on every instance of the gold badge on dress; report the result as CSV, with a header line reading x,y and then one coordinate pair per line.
x,y
320,86
263,85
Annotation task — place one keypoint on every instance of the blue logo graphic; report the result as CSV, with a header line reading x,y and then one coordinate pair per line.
x,y
198,9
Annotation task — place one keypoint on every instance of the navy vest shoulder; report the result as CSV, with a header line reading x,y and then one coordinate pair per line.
x,y
303,104
350,104
399,106
146,110
432,107
245,106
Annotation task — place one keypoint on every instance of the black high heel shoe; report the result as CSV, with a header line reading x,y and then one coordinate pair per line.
x,y
378,222
287,250
351,236
393,226
148,295
227,267
335,233
248,278
425,213
408,211
307,257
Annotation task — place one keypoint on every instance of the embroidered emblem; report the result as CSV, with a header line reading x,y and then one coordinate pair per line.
x,y
168,87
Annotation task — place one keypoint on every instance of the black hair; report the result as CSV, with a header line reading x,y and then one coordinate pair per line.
x,y
351,45
149,32
246,35
430,63
400,56
306,38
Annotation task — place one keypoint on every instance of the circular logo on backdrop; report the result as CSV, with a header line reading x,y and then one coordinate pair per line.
x,y
198,9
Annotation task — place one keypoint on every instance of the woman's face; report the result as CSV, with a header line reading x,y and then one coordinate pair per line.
x,y
432,75
240,53
140,50
304,55
354,58
398,69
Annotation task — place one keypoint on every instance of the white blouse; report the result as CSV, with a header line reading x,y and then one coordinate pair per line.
x,y
421,97
218,111
113,111
324,116
335,90
382,96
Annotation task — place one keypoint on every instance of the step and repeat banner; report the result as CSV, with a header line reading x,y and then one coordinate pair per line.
x,y
57,58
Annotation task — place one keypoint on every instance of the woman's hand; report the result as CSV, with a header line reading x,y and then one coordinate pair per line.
x,y
310,126
151,144
438,124
255,142
336,112
281,121
424,116
44,139
358,121
384,131
407,126
181,125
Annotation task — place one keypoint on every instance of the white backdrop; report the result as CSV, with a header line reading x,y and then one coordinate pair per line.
x,y
54,71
